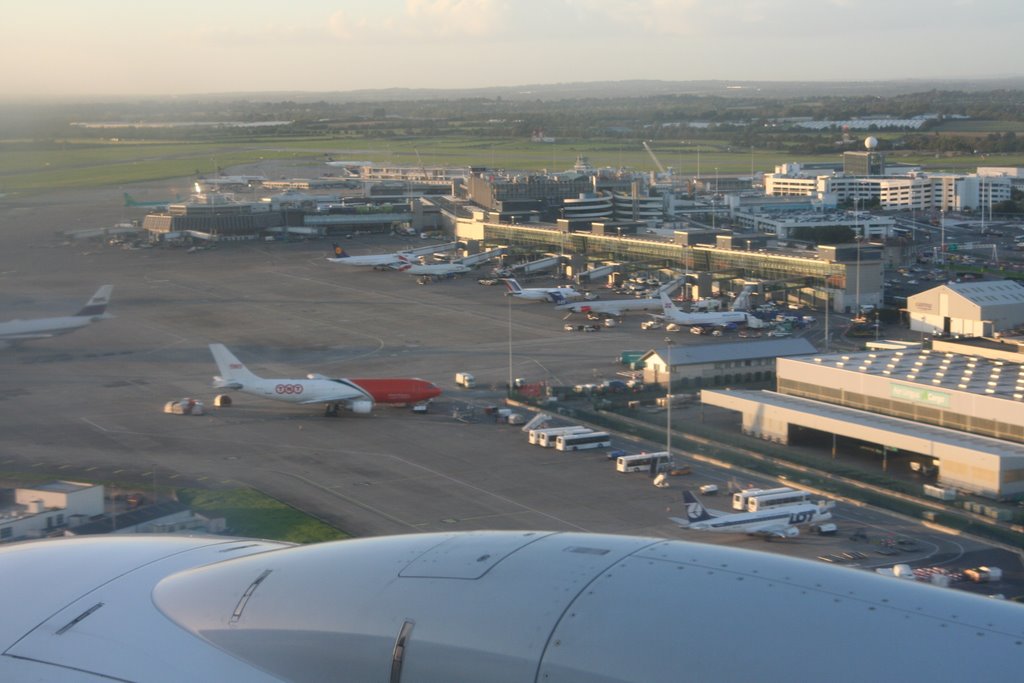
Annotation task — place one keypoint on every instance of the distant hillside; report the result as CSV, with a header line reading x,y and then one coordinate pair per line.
x,y
646,88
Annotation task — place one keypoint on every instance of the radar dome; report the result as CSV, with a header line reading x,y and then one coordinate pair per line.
x,y
871,142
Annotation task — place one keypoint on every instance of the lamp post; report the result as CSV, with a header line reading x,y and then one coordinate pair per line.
x,y
668,405
828,305
508,393
856,236
942,237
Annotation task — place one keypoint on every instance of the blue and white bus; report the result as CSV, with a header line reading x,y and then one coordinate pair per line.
x,y
582,441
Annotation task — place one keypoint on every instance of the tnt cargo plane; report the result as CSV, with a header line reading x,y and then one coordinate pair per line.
x,y
776,522
496,606
357,395
15,331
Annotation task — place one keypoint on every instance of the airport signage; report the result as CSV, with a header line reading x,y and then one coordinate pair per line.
x,y
902,392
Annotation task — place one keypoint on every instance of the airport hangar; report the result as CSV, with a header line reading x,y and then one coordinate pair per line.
x,y
973,309
959,403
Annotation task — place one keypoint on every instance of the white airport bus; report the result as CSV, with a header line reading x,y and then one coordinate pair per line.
x,y
741,499
582,440
765,501
545,437
641,462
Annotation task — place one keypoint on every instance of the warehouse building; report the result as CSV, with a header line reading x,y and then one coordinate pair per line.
x,y
958,405
713,365
970,309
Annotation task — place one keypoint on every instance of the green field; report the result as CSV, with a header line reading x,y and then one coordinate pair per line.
x,y
253,514
33,168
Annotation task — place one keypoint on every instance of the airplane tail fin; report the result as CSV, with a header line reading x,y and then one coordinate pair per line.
x,y
742,302
339,251
666,304
513,285
232,372
402,264
695,510
97,305
128,200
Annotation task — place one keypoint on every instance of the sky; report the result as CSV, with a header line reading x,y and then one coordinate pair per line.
x,y
153,47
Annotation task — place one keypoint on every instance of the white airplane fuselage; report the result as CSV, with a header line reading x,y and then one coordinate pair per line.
x,y
301,390
782,521
13,331
42,327
611,306
433,268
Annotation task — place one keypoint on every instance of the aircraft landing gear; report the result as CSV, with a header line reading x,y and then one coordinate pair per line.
x,y
331,410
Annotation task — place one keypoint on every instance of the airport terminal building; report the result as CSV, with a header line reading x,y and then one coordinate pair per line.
x,y
959,404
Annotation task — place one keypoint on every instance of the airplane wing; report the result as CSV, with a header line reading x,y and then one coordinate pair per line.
x,y
339,398
778,531
343,391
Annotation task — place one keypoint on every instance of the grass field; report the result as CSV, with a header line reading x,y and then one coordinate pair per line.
x,y
250,513
28,169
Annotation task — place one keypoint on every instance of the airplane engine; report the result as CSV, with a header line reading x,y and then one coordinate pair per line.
x,y
361,407
164,609
791,532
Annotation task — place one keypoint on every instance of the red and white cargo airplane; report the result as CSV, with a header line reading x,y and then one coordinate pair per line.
x,y
357,395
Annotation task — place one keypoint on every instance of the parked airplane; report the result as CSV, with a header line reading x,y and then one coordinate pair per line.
x,y
616,307
384,261
555,295
438,606
777,522
357,395
672,314
463,265
161,204
14,331
406,265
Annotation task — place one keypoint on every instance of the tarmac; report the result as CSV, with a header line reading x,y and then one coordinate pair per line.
x,y
90,405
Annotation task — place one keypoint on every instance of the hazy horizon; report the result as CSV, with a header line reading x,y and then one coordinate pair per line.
x,y
66,49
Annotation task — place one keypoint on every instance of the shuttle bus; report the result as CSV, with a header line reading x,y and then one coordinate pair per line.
x,y
641,462
545,437
765,501
582,440
741,499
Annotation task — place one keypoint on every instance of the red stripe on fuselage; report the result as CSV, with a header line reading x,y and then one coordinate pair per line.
x,y
397,389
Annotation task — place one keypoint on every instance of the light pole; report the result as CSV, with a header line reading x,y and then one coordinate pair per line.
x,y
856,236
942,237
828,305
668,405
714,199
508,393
